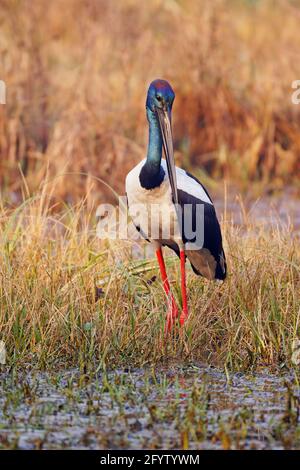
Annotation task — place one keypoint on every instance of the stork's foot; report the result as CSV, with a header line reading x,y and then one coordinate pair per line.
x,y
183,316
172,314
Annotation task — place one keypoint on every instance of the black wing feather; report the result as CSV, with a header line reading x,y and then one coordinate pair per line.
x,y
212,232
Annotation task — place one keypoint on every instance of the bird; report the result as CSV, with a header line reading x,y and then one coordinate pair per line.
x,y
164,200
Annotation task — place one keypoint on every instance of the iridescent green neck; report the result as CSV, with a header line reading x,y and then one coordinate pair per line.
x,y
152,174
155,142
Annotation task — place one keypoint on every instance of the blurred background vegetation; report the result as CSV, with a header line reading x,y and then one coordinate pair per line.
x,y
77,72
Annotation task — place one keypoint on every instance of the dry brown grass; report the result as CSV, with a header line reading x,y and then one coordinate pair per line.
x,y
77,72
49,266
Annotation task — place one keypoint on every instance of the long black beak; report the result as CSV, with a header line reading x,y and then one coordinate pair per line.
x,y
166,132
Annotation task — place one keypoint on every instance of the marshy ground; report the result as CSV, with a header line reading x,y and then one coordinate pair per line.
x,y
185,407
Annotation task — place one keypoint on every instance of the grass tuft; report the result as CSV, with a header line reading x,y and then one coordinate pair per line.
x,y
51,264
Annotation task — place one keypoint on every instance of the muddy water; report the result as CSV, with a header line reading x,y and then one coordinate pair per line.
x,y
194,407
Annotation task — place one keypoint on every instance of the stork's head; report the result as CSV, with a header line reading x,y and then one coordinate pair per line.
x,y
160,96
159,104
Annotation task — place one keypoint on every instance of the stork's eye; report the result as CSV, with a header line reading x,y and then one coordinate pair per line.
x,y
159,98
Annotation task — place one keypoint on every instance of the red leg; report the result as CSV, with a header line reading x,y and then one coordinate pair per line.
x,y
184,312
172,310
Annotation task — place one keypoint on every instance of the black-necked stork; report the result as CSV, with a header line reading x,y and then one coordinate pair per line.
x,y
157,186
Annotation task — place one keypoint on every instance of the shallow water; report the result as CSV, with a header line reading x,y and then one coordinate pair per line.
x,y
192,407
283,210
